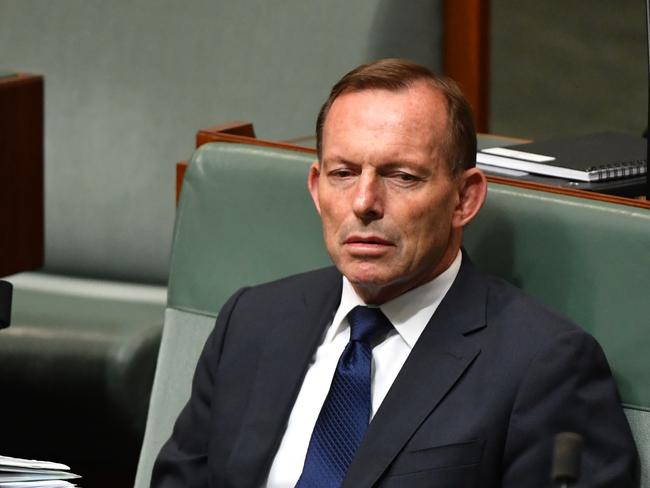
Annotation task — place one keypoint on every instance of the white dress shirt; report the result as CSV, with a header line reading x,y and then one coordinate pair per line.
x,y
409,313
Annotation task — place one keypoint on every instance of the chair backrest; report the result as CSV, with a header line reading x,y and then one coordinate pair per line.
x,y
245,217
589,260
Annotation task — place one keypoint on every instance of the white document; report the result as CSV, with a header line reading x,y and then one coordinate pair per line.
x,y
10,462
38,484
30,473
511,153
35,475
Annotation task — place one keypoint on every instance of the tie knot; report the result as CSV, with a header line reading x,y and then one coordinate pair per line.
x,y
367,323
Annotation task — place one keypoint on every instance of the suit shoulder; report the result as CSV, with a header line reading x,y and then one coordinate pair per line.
x,y
522,332
522,315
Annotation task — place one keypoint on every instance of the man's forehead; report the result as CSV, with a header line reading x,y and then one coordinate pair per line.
x,y
420,100
419,109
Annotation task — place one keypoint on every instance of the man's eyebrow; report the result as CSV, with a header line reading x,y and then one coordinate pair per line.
x,y
399,162
339,160
405,163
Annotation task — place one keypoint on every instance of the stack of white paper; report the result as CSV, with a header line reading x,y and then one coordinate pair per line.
x,y
28,473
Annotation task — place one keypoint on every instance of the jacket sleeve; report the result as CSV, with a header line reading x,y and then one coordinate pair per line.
x,y
182,461
569,388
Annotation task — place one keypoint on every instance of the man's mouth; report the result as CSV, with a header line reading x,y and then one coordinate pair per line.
x,y
369,240
367,246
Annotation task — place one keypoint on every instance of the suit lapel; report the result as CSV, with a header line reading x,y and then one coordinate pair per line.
x,y
435,364
280,373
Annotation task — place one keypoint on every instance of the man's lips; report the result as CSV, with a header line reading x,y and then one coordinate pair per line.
x,y
367,246
367,241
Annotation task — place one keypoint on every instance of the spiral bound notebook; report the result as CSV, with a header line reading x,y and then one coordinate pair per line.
x,y
601,156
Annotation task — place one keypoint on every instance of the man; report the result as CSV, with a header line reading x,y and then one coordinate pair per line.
x,y
403,366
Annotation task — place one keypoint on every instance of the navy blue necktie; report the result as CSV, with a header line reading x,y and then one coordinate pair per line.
x,y
344,417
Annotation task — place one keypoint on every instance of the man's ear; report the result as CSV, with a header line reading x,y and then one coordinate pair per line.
x,y
472,188
312,183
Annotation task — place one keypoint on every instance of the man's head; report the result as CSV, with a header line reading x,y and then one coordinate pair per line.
x,y
395,181
399,74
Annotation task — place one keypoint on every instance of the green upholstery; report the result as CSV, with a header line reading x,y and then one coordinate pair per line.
x,y
586,259
589,260
278,230
246,217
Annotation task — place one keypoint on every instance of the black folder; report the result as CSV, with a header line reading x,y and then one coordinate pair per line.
x,y
598,157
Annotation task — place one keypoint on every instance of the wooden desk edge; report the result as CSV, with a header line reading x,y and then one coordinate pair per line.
x,y
230,132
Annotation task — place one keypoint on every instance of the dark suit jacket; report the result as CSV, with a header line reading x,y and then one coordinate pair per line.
x,y
492,379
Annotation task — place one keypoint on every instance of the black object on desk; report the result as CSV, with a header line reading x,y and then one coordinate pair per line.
x,y
608,162
6,290
600,156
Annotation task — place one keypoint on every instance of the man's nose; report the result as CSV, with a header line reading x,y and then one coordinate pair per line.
x,y
368,198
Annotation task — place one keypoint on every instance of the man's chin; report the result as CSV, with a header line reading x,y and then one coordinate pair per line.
x,y
366,275
368,283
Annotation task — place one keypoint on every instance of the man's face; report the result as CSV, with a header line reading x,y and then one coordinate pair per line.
x,y
387,201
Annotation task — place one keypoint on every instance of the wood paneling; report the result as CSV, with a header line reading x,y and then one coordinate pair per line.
x,y
21,173
466,53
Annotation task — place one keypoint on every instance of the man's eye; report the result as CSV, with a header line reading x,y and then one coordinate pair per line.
x,y
341,173
406,177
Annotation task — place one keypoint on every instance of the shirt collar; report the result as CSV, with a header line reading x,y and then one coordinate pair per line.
x,y
409,313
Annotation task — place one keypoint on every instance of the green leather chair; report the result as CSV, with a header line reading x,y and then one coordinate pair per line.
x,y
245,217
589,260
